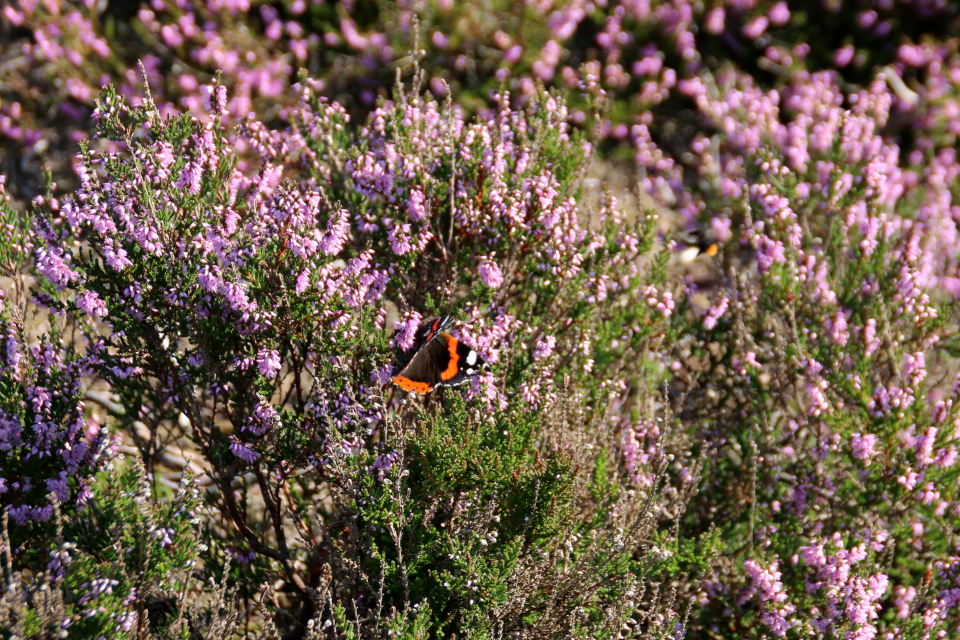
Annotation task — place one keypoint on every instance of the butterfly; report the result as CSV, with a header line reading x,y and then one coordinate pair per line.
x,y
436,359
699,243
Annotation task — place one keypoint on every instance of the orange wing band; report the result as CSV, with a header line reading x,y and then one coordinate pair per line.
x,y
410,385
452,367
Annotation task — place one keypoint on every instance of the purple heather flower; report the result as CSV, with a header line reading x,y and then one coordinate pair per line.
x,y
715,312
383,464
164,535
864,447
242,451
779,14
98,587
268,362
90,303
490,272
264,418
381,376
544,347
406,329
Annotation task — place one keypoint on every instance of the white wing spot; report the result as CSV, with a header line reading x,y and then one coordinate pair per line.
x,y
472,358
470,372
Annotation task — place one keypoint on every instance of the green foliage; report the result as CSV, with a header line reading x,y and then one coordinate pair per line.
x,y
122,564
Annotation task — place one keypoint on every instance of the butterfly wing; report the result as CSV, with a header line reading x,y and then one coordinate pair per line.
x,y
461,364
444,361
422,373
424,334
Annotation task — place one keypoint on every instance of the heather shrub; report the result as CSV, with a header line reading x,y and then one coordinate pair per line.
x,y
123,567
49,446
763,447
235,292
819,367
639,52
85,549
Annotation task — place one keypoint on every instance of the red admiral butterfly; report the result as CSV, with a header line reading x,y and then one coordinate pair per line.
x,y
436,359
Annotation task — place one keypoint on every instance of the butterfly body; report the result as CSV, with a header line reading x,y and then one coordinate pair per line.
x,y
436,359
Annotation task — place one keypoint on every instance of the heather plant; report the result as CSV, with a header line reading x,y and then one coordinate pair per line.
x,y
639,52
820,368
235,292
49,445
123,565
84,550
766,449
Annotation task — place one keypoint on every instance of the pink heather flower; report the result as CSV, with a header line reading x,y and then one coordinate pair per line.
x,y
399,237
406,329
755,28
348,29
242,451
415,206
887,400
90,303
53,264
490,272
237,297
191,177
715,312
924,445
338,230
914,368
545,66
947,457
902,597
843,56
870,342
544,347
440,41
838,329
779,14
639,449
818,401
513,54
716,20
721,228
864,447
268,362
15,17
769,252
773,599
909,480
303,281
208,91
664,306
